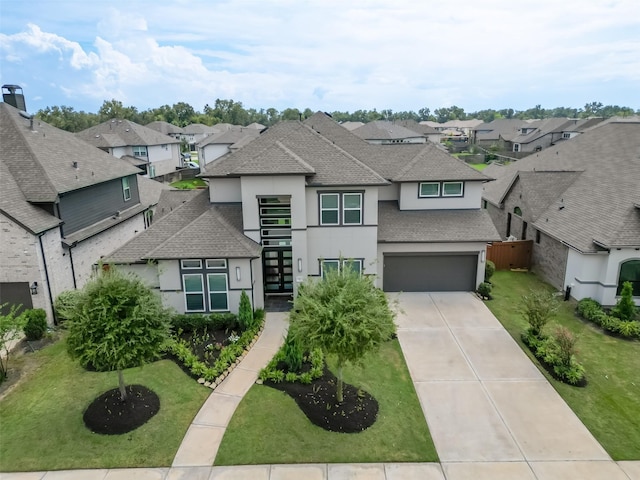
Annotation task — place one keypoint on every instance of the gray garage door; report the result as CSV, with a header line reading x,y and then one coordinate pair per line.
x,y
429,273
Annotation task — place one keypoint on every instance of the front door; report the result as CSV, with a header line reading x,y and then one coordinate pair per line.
x,y
277,267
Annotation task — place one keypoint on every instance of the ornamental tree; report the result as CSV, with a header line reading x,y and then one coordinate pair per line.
x,y
343,314
117,323
11,325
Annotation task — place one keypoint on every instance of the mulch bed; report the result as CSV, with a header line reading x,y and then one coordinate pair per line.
x,y
109,415
317,400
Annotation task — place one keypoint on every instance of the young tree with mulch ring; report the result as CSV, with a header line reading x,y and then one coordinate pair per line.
x,y
344,314
118,323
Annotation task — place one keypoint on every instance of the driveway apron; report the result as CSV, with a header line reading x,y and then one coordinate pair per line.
x,y
483,399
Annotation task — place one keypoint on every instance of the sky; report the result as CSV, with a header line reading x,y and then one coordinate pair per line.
x,y
329,55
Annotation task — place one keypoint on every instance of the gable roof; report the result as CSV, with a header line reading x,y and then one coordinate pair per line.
x,y
165,128
505,128
598,205
41,159
123,133
420,128
542,128
200,128
383,130
395,225
189,227
294,148
229,137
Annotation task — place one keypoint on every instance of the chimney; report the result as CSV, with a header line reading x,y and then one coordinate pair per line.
x,y
12,94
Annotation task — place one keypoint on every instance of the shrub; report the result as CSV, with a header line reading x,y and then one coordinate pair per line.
x,y
65,305
538,307
489,270
588,308
628,328
245,312
292,354
191,322
566,342
36,324
625,308
591,310
484,290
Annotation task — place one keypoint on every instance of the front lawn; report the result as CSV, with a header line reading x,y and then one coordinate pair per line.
x,y
268,426
610,404
41,424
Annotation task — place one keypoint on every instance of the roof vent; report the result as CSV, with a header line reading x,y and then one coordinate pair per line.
x,y
12,94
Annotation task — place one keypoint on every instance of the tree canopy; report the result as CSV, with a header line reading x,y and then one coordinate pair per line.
x,y
117,323
343,314
235,113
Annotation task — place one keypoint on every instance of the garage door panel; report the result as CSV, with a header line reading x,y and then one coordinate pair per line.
x,y
424,273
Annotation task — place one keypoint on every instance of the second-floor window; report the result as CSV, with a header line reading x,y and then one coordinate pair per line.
x,y
139,151
126,189
341,208
440,189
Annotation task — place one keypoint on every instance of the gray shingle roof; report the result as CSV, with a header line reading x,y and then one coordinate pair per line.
x,y
188,226
503,127
41,160
295,148
598,204
416,127
542,128
229,137
122,133
431,226
383,130
165,128
540,189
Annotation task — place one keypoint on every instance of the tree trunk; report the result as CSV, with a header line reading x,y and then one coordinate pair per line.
x,y
339,392
123,391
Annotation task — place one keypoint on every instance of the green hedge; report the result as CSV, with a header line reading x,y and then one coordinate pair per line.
x,y
591,310
547,351
190,322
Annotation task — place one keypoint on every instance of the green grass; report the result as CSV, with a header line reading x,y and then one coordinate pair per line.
x,y
268,426
189,184
478,166
41,423
609,405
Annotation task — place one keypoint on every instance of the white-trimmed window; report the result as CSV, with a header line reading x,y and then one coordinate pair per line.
x,y
452,189
126,189
218,292
213,264
192,284
352,208
429,189
329,208
341,208
337,264
516,147
139,151
190,264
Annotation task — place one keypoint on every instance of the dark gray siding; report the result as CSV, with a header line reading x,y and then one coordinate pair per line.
x,y
82,208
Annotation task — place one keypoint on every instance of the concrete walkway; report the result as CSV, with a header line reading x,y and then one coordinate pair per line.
x,y
491,413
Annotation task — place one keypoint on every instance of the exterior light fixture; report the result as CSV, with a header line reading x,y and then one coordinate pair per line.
x,y
482,256
299,265
238,273
34,288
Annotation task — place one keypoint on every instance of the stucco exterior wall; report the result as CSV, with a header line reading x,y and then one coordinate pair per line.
x,y
409,199
596,275
470,247
390,192
369,205
348,242
276,185
225,190
209,153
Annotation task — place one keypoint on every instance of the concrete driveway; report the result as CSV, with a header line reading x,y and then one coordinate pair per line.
x,y
491,413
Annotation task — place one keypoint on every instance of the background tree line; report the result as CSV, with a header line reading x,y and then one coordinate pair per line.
x,y
230,111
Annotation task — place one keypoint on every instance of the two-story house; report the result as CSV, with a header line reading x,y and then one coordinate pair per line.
x,y
63,204
579,201
308,196
216,145
154,153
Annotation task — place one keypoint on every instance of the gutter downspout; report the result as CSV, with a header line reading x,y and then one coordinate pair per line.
x,y
46,275
73,270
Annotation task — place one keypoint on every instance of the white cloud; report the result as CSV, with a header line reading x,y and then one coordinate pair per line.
x,y
339,55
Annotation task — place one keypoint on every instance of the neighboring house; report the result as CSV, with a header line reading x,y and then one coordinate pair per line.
x,y
304,197
381,132
63,204
218,144
465,127
580,203
497,132
541,134
430,133
166,128
196,132
157,154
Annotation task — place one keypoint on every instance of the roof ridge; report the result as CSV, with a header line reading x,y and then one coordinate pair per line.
x,y
292,154
344,152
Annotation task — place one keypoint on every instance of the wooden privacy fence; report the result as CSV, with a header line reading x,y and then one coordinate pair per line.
x,y
508,255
